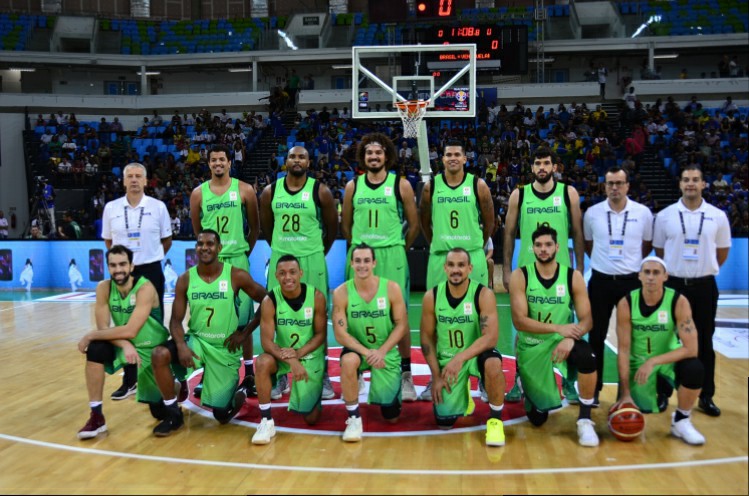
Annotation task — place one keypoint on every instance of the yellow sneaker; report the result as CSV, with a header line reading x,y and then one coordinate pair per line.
x,y
471,404
495,432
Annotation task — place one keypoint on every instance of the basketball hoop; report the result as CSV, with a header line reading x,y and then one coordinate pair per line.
x,y
411,112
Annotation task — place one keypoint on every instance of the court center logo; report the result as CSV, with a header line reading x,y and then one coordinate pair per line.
x,y
416,418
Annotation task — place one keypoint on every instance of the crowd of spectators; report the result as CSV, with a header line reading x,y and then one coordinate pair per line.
x,y
499,146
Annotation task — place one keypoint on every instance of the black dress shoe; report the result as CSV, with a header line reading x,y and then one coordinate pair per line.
x,y
710,408
662,402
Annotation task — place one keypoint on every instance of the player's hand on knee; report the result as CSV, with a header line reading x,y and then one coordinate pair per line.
x,y
573,331
83,344
131,354
186,356
642,374
298,372
562,351
438,384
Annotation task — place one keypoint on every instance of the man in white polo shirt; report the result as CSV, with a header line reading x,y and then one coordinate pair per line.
x,y
693,238
142,224
618,234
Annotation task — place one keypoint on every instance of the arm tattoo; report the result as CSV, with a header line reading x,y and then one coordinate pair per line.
x,y
687,326
341,322
483,322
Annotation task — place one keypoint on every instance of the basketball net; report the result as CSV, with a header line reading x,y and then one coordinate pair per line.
x,y
411,112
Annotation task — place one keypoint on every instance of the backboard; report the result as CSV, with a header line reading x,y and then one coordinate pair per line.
x,y
443,74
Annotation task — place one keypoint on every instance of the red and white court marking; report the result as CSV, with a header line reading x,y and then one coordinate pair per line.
x,y
416,418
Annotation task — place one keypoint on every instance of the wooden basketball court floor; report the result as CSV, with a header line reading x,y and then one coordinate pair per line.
x,y
43,391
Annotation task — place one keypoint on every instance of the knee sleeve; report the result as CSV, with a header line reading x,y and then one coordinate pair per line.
x,y
391,412
100,352
537,417
581,358
691,373
446,422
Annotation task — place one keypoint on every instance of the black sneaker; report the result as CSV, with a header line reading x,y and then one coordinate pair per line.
x,y
173,421
124,391
662,402
239,398
184,391
248,384
198,389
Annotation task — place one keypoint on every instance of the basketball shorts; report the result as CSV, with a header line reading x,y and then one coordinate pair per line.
x,y
305,395
220,371
436,268
314,271
246,305
148,390
385,383
536,370
392,264
646,395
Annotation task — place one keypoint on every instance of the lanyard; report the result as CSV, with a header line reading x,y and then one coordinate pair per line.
x,y
683,227
140,218
624,224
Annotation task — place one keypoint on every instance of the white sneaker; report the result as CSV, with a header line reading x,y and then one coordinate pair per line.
x,y
408,391
282,387
265,431
586,434
426,394
327,388
482,390
362,385
684,430
353,431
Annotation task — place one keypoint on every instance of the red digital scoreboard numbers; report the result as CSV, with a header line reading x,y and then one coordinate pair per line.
x,y
427,9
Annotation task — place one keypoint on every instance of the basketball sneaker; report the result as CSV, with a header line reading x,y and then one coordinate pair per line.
x,y
495,432
198,389
353,431
515,394
684,430
586,434
569,391
408,391
173,420
124,391
181,390
265,432
426,394
248,385
327,388
240,396
482,390
282,387
96,425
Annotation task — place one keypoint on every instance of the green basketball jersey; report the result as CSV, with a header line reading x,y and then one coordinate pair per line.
x,y
456,216
535,209
226,215
370,322
654,328
550,305
153,332
457,326
378,213
213,307
294,328
297,228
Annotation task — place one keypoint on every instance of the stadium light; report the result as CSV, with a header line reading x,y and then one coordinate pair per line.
x,y
666,56
240,69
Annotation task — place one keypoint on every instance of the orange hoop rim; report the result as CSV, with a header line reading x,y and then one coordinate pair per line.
x,y
411,106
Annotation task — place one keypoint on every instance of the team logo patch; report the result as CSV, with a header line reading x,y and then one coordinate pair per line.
x,y
557,201
223,286
561,290
132,299
466,191
663,317
232,196
307,312
467,308
305,195
388,191
417,419
381,303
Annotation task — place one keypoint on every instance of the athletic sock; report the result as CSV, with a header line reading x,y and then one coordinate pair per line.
x,y
248,367
681,414
352,410
585,406
170,402
495,411
265,411
95,406
405,365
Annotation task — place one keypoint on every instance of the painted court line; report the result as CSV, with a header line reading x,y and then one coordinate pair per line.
x,y
339,470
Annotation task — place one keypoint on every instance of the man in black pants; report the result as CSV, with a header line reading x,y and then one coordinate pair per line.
x,y
693,238
142,224
618,234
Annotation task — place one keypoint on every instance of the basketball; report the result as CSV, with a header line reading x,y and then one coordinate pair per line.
x,y
627,422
